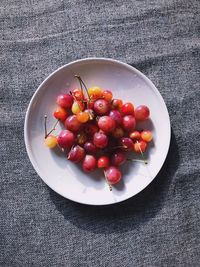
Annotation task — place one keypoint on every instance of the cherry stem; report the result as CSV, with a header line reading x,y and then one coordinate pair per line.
x,y
138,160
45,127
141,152
109,185
82,83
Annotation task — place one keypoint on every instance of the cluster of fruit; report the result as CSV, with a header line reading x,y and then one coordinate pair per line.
x,y
99,130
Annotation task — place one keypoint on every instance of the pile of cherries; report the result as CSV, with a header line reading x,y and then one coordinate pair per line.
x,y
100,130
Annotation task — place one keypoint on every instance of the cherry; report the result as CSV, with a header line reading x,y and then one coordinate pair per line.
x,y
116,116
118,158
127,109
140,146
50,141
76,154
142,113
113,175
107,95
90,148
103,162
100,140
128,123
72,123
89,163
126,143
116,104
101,107
135,135
146,136
106,124
60,114
65,101
65,139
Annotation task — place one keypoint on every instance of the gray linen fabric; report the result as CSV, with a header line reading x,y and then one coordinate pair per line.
x,y
158,227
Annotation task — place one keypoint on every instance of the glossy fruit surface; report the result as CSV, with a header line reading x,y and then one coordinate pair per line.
x,y
72,123
146,136
100,140
127,109
126,143
106,124
65,101
66,139
101,107
113,175
135,135
50,141
77,107
139,146
107,95
76,154
90,148
95,92
103,162
118,158
89,163
83,116
116,104
60,114
116,116
142,113
129,122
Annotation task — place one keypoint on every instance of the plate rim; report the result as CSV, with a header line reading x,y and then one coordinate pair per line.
x,y
102,59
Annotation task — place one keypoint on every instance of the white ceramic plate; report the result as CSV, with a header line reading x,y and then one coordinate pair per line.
x,y
65,177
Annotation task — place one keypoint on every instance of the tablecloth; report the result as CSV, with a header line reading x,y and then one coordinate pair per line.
x,y
159,226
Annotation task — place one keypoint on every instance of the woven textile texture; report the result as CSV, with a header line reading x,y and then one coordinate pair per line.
x,y
161,225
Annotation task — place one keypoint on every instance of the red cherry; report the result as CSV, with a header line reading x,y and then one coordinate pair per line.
x,y
128,122
135,135
73,124
139,146
65,101
113,175
60,114
100,140
118,158
116,104
89,163
127,109
116,116
103,162
142,113
66,139
90,148
101,107
126,143
76,154
106,124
